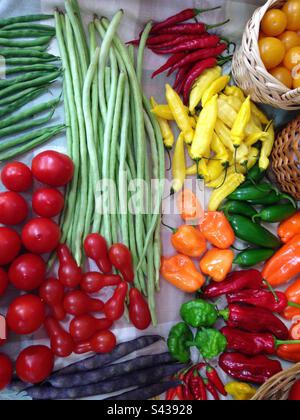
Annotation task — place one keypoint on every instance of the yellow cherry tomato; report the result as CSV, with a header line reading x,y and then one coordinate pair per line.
x,y
292,59
272,52
283,75
274,22
296,80
292,11
261,35
290,39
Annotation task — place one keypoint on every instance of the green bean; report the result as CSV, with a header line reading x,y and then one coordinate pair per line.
x,y
26,61
31,83
22,33
25,126
157,255
73,131
77,13
141,52
25,44
24,78
28,146
19,95
8,144
22,19
24,52
22,101
31,112
34,67
107,83
27,25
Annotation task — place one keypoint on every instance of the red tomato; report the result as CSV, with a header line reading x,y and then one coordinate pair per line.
x,y
17,177
139,312
13,208
6,371
10,245
101,342
48,202
26,314
35,364
27,272
295,392
53,168
41,235
3,281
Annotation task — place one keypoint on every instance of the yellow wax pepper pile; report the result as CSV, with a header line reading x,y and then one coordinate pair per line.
x,y
219,130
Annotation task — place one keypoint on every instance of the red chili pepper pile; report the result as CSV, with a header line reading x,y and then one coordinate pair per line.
x,y
192,48
196,386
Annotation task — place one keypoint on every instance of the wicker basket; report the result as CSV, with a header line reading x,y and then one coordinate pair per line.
x,y
250,73
286,159
278,387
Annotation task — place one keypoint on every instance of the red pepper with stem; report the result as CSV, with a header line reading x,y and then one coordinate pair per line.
x,y
95,247
187,394
180,78
211,389
69,273
93,282
114,308
214,379
183,16
206,42
199,55
254,319
256,369
236,281
197,387
191,28
177,40
176,58
274,302
154,40
252,344
121,259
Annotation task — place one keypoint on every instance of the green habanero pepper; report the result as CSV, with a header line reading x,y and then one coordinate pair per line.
x,y
253,233
252,257
238,207
210,343
178,338
199,313
276,214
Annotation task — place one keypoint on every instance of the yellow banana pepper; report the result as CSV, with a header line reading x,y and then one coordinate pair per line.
x,y
192,170
216,87
203,170
179,113
267,148
163,111
241,122
233,101
219,195
205,129
226,113
215,168
178,165
219,149
255,137
202,84
226,172
235,91
224,134
253,157
242,154
259,114
166,131
240,391
193,122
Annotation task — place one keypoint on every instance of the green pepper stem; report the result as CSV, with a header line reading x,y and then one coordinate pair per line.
x,y
217,25
293,305
169,158
289,198
199,11
271,290
169,227
224,180
256,216
225,313
288,342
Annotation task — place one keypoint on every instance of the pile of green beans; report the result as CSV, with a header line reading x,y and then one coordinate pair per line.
x,y
110,130
23,44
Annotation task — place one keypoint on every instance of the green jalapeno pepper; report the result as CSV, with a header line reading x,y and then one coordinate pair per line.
x,y
254,176
199,313
252,257
276,214
179,337
238,207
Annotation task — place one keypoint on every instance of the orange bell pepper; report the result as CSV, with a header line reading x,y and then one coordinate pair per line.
x,y
217,263
189,206
289,228
293,295
189,241
217,230
284,265
289,352
182,273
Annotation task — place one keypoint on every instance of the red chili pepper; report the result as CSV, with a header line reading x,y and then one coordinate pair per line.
x,y
121,259
260,298
179,389
114,308
190,28
95,247
197,387
254,320
187,394
154,40
171,394
176,58
199,55
214,378
139,312
239,280
194,73
177,41
183,16
94,282
211,389
180,78
69,274
250,369
206,42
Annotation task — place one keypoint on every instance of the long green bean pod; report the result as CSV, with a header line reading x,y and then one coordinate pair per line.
x,y
23,33
25,44
29,26
76,8
18,61
21,102
26,52
33,67
141,51
22,19
24,78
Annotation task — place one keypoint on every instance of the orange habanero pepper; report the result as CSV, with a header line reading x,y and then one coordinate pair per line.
x,y
284,265
217,263
288,229
293,296
182,273
295,331
289,352
217,230
189,206
189,241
